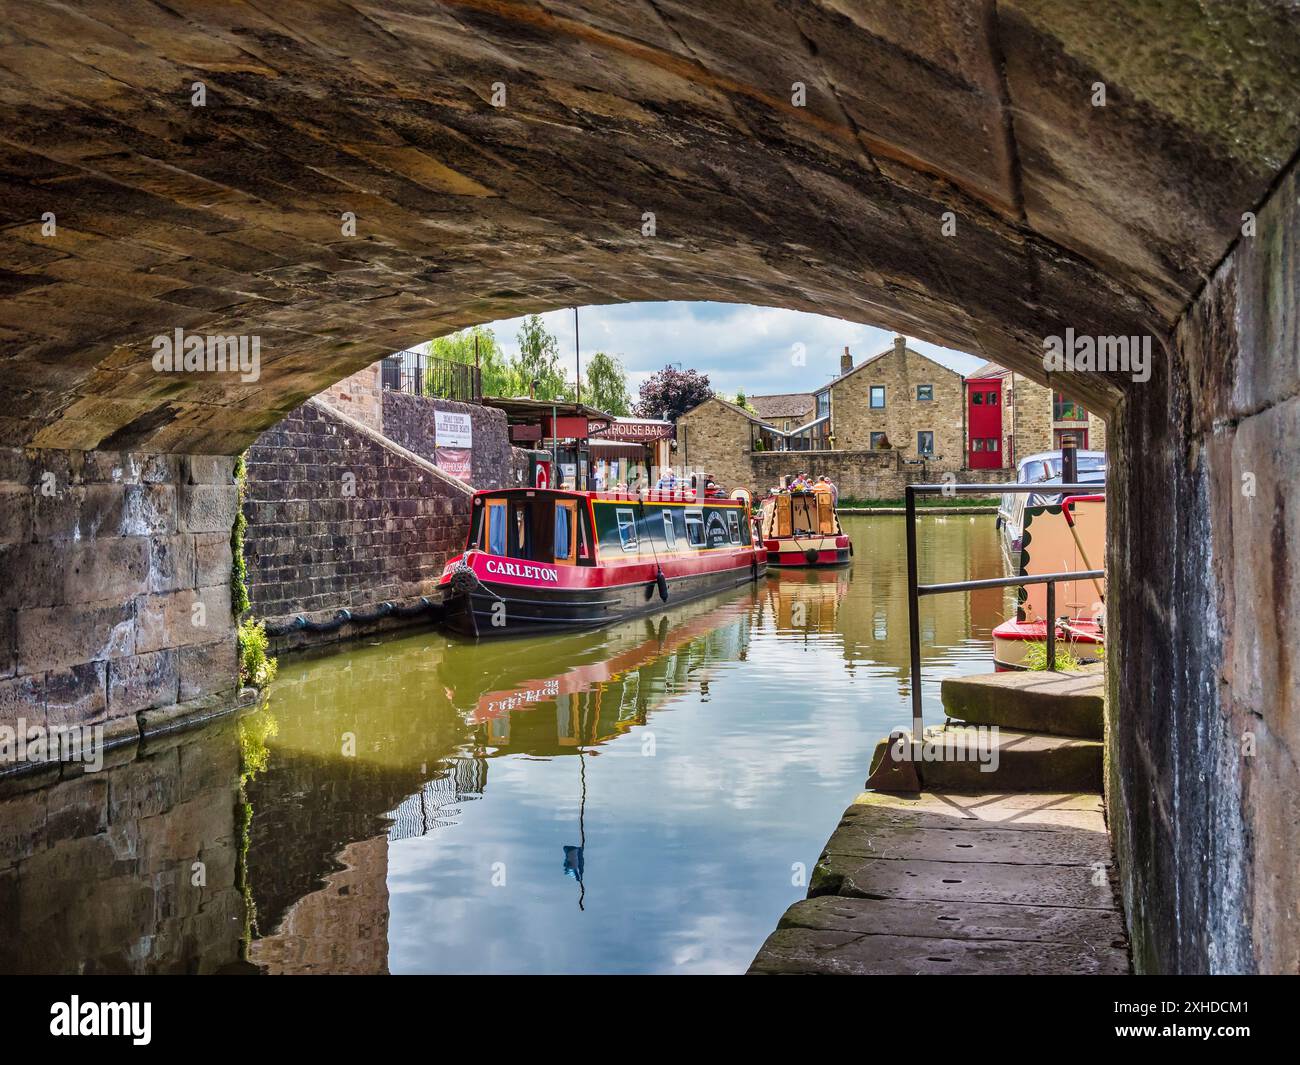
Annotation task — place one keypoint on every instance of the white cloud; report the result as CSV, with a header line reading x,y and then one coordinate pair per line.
x,y
740,347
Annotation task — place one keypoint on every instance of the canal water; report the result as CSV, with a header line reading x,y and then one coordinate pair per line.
x,y
648,798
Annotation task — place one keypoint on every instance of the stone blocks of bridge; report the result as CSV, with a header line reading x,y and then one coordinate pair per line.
x,y
115,589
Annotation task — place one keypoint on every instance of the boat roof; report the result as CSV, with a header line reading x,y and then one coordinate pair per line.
x,y
653,495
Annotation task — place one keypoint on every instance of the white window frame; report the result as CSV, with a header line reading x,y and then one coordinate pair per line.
x,y
733,526
625,524
871,395
695,518
670,530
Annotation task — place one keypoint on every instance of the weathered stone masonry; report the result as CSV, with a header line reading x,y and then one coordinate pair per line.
x,y
114,587
409,421
341,518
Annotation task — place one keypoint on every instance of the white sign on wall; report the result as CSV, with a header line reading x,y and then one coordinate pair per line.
x,y
452,429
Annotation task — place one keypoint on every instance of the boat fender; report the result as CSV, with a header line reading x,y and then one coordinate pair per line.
x,y
810,556
662,582
463,580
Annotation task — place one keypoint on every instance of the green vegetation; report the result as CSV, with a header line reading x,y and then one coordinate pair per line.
x,y
605,385
255,666
1036,657
495,371
238,570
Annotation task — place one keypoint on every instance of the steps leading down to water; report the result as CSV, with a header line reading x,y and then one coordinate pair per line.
x,y
978,853
947,883
1010,761
1061,704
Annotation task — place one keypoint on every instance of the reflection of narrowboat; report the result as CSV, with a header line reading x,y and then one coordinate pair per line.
x,y
543,561
803,529
1056,537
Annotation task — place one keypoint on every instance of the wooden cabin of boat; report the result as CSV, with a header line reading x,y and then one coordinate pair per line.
x,y
803,529
541,560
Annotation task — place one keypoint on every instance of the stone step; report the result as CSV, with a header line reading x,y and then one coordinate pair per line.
x,y
1063,704
953,883
962,757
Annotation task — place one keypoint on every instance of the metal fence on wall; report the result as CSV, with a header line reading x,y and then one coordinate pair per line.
x,y
423,375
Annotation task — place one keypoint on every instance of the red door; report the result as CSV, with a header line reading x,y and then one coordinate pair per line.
x,y
984,423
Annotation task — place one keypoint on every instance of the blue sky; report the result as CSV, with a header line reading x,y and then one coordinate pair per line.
x,y
738,346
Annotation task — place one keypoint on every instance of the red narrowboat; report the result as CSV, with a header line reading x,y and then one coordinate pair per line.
x,y
538,560
801,528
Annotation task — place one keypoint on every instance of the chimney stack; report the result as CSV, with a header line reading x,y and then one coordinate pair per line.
x,y
900,345
846,361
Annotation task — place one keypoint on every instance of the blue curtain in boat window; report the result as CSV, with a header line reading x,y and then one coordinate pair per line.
x,y
497,530
562,548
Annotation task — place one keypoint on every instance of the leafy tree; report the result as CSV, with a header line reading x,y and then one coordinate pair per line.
x,y
605,385
673,391
459,347
743,403
538,360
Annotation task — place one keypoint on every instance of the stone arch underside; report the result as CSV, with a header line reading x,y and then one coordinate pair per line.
x,y
1115,220
226,218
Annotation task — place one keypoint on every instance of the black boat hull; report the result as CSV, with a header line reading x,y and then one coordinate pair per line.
x,y
492,609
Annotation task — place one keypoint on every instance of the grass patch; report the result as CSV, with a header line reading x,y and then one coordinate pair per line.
x,y
256,667
1036,657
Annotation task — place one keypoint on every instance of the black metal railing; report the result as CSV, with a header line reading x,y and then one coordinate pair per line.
x,y
915,589
424,375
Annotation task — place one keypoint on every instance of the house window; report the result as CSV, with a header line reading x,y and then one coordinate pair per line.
x,y
823,404
695,528
1066,410
877,400
878,441
626,528
925,442
924,393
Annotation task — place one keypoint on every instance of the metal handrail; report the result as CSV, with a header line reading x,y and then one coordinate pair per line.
x,y
915,589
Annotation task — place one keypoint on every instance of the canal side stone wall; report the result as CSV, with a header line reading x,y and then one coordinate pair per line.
x,y
409,421
1203,703
115,598
339,517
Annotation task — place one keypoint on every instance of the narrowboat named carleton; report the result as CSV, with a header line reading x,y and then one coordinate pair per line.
x,y
545,561
801,528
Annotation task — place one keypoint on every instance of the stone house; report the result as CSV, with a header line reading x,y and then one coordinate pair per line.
x,y
787,411
898,399
718,438
1009,416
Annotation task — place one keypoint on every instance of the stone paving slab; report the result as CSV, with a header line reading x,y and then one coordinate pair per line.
x,y
822,952
1063,704
953,883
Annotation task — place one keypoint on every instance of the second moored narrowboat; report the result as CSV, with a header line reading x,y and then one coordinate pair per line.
x,y
802,528
538,560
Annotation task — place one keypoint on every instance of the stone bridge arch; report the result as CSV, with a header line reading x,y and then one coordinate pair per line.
x,y
983,175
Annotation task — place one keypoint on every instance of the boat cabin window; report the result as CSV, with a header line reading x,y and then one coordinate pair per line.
x,y
733,526
626,517
670,530
495,540
695,528
521,530
803,513
564,531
